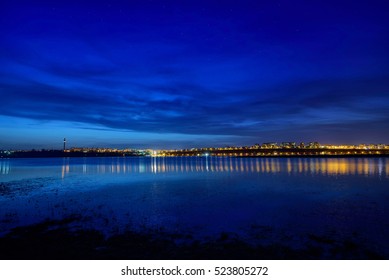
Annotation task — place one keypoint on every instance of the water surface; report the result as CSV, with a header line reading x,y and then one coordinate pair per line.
x,y
260,200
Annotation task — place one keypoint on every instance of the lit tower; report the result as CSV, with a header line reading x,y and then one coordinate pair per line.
x,y
64,144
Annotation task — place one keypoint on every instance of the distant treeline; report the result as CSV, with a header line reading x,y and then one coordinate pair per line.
x,y
59,153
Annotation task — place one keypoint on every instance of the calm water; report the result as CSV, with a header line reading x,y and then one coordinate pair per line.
x,y
261,200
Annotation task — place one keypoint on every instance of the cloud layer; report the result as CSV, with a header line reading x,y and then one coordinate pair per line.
x,y
201,71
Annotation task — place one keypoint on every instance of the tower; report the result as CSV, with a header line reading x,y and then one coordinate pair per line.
x,y
64,144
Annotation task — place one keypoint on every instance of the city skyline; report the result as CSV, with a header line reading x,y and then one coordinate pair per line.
x,y
268,145
173,74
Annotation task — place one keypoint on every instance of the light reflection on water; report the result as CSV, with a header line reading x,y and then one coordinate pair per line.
x,y
324,166
336,197
157,165
4,167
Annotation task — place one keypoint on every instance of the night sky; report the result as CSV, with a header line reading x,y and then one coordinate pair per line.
x,y
164,74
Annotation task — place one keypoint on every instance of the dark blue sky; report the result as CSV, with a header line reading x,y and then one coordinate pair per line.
x,y
161,74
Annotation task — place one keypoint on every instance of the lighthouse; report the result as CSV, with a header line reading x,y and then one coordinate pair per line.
x,y
64,144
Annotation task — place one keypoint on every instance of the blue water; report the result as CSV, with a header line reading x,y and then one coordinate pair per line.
x,y
260,200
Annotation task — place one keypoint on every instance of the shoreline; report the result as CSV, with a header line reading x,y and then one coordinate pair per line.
x,y
195,156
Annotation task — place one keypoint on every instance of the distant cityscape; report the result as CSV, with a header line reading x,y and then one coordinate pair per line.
x,y
272,149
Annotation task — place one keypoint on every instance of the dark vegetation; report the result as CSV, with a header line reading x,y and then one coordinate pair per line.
x,y
59,153
55,239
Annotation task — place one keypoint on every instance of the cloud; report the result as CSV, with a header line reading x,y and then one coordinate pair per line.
x,y
200,111
244,71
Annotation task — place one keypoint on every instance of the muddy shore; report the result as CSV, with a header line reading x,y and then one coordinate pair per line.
x,y
55,239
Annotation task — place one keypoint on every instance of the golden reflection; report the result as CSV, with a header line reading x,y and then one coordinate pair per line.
x,y
251,166
360,167
365,167
323,166
236,165
221,167
267,166
241,165
227,165
262,165
163,167
289,165
300,165
257,166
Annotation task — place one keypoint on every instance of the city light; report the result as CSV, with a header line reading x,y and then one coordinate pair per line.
x,y
273,149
